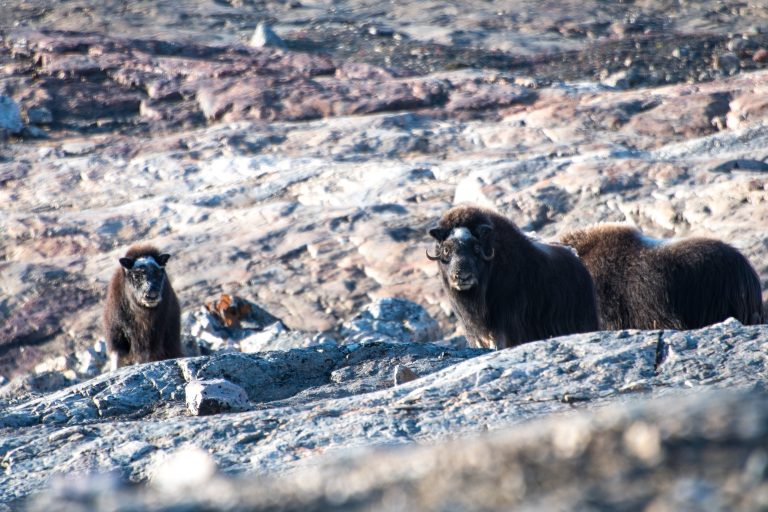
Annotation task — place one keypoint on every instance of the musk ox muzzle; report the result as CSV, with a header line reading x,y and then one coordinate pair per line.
x,y
463,258
146,278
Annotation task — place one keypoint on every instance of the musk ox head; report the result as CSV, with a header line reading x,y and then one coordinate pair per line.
x,y
145,276
464,257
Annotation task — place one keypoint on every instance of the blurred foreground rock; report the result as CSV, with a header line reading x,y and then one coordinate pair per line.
x,y
320,400
702,451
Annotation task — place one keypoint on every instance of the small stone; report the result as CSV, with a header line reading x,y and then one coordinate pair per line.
x,y
404,374
737,45
77,148
381,31
214,396
727,63
90,362
10,115
264,36
623,79
527,81
760,55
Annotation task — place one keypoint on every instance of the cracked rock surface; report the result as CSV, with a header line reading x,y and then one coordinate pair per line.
x,y
320,400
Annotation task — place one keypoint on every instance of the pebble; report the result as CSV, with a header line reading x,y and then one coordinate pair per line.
x,y
727,62
404,374
264,36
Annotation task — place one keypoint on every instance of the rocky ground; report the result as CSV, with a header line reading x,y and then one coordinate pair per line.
x,y
288,409
303,174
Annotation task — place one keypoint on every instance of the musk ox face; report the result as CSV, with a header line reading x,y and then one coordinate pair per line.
x,y
464,259
146,278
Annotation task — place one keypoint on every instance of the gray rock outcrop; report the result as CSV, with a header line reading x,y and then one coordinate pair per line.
x,y
315,401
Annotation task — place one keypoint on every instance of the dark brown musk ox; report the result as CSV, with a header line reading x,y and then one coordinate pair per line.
x,y
142,318
645,283
505,288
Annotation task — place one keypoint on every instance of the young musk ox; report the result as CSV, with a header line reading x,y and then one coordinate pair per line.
x,y
506,288
643,283
142,318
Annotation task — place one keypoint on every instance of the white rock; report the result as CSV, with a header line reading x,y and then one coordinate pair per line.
x,y
396,318
214,396
262,340
264,36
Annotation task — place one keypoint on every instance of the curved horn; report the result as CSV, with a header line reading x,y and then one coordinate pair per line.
x,y
488,257
429,256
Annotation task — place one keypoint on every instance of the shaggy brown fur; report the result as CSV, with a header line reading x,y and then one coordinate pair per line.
x,y
505,288
642,283
142,318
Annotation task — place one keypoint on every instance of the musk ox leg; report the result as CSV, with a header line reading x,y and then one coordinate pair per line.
x,y
113,361
117,360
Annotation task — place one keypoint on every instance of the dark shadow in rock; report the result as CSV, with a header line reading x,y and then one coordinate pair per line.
x,y
742,164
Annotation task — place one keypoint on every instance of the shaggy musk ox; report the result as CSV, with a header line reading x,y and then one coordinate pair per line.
x,y
643,283
506,288
142,318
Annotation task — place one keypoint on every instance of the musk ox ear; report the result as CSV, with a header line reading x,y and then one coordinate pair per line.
x,y
439,234
484,232
127,263
163,259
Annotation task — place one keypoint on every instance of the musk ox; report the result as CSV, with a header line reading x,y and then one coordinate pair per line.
x,y
142,319
505,288
644,283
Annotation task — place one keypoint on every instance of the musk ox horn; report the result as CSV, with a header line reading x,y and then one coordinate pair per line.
x,y
488,257
429,256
